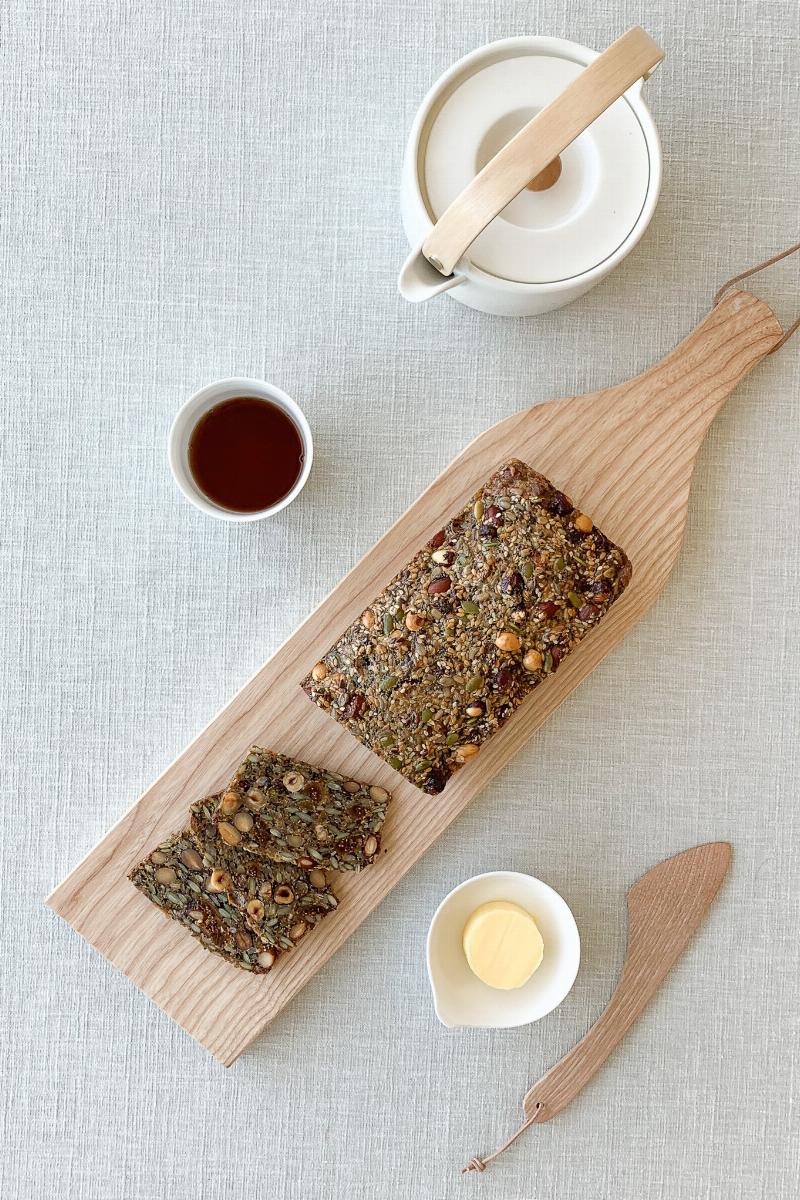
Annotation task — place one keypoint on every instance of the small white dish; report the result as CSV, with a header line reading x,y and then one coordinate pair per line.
x,y
459,997
197,406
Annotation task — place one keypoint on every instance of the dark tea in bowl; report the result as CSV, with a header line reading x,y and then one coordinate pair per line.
x,y
240,449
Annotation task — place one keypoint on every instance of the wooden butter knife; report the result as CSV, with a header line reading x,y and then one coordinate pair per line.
x,y
665,907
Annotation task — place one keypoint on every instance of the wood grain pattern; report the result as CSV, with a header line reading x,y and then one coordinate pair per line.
x,y
626,456
632,56
665,907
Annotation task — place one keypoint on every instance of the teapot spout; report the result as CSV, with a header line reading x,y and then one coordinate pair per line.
x,y
420,281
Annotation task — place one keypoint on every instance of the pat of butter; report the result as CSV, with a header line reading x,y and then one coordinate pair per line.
x,y
502,944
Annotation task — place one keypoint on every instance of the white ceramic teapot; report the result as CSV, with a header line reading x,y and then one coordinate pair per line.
x,y
532,168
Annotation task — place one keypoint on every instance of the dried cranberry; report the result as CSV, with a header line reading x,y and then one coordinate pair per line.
x,y
504,679
511,583
508,473
559,503
447,557
317,791
436,540
356,705
588,612
494,515
548,608
442,584
435,780
556,654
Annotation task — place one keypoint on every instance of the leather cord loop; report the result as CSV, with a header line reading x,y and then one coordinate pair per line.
x,y
480,1164
768,262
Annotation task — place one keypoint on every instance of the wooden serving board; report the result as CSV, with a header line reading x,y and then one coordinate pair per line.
x,y
625,455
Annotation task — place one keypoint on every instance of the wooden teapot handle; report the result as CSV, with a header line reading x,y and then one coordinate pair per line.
x,y
632,56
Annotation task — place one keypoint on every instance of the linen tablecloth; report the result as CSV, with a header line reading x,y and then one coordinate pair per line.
x,y
210,187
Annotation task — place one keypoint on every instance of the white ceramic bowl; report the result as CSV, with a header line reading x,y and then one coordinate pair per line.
x,y
197,406
460,998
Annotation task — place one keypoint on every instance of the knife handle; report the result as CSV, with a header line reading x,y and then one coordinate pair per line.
x,y
570,1075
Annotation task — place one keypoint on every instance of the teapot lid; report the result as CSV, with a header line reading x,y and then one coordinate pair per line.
x,y
570,225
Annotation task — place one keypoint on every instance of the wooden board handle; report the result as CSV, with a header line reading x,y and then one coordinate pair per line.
x,y
632,56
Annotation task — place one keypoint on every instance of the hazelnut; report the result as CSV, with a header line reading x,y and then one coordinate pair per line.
x,y
283,894
191,859
297,931
166,876
230,803
293,781
584,523
352,787
255,910
256,799
379,795
507,641
371,846
317,878
532,661
305,862
319,671
467,751
367,619
229,833
243,821
218,881
243,940
158,857
476,709
266,959
414,621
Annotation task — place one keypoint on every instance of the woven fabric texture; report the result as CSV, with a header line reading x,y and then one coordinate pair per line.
x,y
200,188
